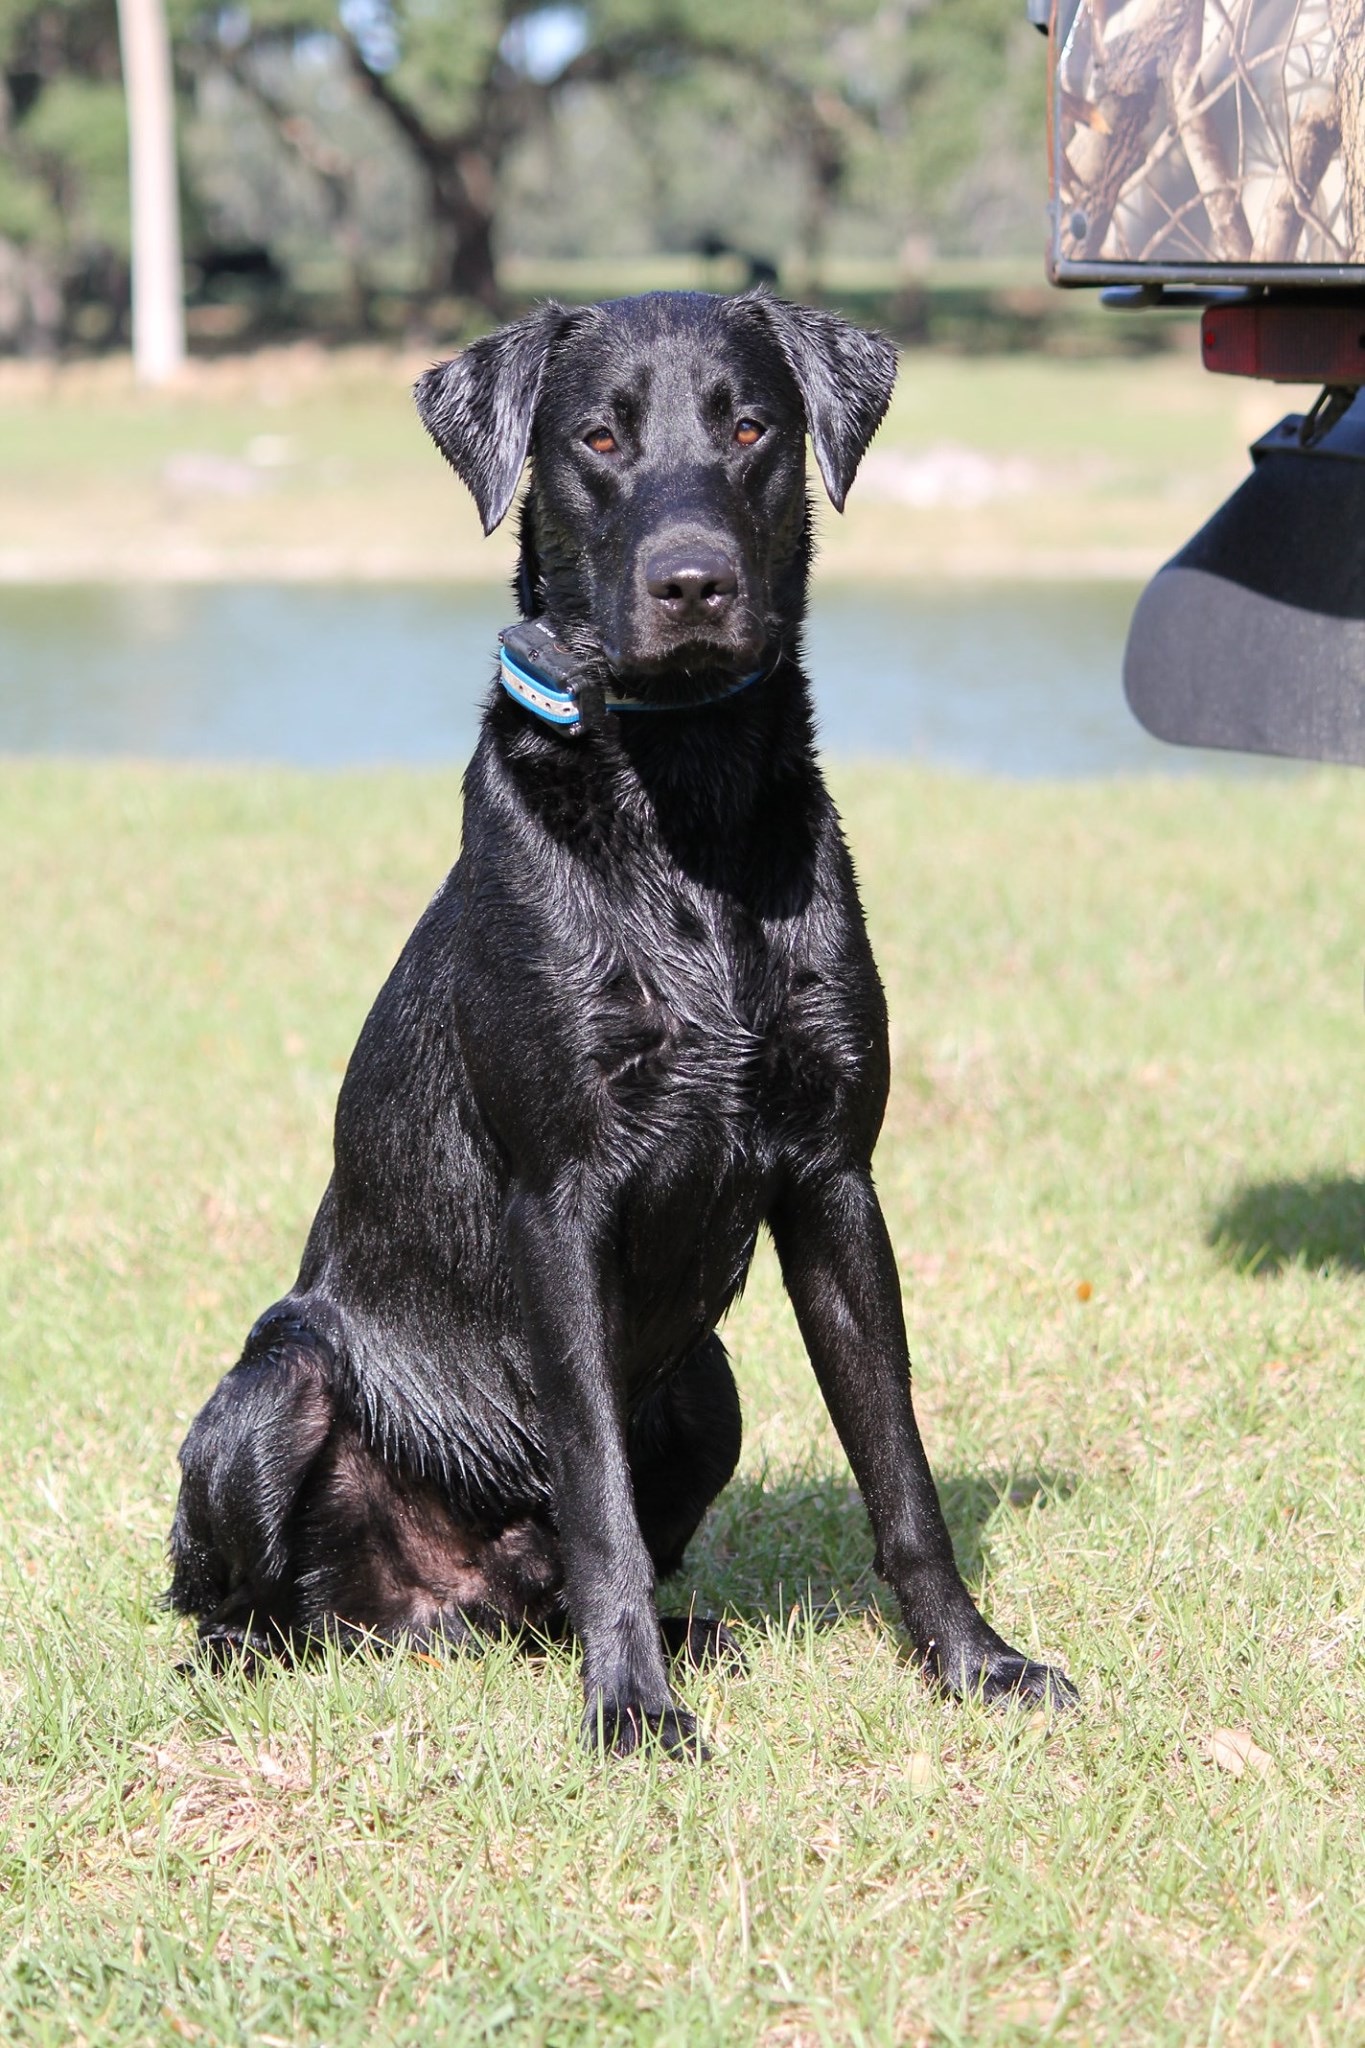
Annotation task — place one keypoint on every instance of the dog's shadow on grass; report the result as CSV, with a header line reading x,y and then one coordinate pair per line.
x,y
1317,1222
804,1542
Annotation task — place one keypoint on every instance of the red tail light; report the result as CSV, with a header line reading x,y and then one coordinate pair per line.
x,y
1309,344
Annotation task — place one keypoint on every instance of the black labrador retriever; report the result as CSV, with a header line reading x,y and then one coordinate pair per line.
x,y
640,1019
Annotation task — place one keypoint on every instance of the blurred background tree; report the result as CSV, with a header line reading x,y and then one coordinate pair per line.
x,y
63,168
385,165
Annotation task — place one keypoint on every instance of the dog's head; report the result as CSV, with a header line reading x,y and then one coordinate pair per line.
x,y
667,518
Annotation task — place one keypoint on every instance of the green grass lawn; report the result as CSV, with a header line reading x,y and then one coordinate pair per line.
x,y
297,463
1122,1167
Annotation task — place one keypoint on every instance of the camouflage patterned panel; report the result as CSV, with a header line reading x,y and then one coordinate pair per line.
x,y
1198,134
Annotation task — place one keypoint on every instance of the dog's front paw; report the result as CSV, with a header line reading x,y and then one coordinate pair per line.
x,y
1001,1675
615,1727
1020,1679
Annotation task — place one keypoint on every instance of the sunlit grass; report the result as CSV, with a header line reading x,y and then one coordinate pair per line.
x,y
296,463
1122,1168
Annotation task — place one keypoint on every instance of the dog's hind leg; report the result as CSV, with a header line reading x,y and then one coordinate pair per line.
x,y
683,1444
248,1453
382,1556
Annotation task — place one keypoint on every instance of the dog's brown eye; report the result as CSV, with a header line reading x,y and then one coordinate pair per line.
x,y
747,432
601,441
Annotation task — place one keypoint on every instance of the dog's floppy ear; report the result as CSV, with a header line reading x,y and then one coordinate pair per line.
x,y
844,374
479,407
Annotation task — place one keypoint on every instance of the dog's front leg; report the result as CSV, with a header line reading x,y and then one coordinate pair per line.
x,y
568,1314
840,1272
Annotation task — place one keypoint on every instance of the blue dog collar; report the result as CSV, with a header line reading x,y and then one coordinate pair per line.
x,y
560,708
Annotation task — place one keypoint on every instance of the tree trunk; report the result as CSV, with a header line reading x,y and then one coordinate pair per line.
x,y
461,177
463,186
1348,26
158,277
815,135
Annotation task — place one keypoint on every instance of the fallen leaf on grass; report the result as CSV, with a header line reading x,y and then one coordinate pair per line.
x,y
1234,1750
792,2030
919,1771
1035,2014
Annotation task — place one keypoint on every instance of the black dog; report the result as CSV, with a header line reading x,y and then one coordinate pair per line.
x,y
640,1019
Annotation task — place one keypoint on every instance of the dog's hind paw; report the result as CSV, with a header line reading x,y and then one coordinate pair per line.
x,y
619,1728
243,1650
700,1641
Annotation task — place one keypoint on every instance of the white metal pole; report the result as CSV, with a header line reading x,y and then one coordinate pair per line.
x,y
158,283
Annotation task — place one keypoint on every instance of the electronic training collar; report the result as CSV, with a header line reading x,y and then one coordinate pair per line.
x,y
542,674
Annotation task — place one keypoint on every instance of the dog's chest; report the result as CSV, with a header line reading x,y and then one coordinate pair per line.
x,y
699,1040
676,1018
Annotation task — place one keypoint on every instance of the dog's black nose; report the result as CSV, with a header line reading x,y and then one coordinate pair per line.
x,y
692,582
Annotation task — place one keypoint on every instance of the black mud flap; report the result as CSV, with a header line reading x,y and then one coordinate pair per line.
x,y
1253,636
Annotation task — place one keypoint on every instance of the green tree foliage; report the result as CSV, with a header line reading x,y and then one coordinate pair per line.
x,y
63,157
75,142
449,131
962,102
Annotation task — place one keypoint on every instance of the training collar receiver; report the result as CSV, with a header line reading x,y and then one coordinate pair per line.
x,y
542,672
545,676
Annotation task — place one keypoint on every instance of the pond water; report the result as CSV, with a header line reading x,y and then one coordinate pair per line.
x,y
1020,681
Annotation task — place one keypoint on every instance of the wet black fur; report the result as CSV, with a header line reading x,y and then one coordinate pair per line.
x,y
639,1021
